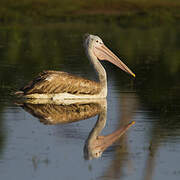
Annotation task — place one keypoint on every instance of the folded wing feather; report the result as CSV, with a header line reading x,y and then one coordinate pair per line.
x,y
54,82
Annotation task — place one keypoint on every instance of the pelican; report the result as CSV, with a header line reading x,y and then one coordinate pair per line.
x,y
62,85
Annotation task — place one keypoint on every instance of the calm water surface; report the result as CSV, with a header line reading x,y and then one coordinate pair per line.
x,y
32,149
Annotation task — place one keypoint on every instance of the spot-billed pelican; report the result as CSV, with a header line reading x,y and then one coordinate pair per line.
x,y
62,85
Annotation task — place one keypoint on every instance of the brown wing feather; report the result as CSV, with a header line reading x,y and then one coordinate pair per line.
x,y
53,82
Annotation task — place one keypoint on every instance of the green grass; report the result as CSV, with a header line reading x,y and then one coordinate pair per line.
x,y
59,10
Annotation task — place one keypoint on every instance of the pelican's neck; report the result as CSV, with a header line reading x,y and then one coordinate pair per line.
x,y
100,70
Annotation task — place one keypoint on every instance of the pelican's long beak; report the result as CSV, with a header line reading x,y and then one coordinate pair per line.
x,y
103,53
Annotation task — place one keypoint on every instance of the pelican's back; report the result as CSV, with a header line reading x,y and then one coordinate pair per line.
x,y
56,82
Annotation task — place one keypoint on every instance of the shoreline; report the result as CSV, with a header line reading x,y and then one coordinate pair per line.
x,y
43,11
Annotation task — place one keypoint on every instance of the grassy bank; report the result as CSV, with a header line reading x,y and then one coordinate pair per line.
x,y
26,11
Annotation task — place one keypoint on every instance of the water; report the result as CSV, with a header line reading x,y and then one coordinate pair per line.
x,y
31,148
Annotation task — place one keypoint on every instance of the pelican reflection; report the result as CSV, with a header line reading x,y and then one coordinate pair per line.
x,y
70,111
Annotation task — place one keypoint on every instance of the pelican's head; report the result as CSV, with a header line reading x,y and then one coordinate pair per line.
x,y
101,52
90,40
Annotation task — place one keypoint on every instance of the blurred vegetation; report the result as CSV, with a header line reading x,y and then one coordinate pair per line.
x,y
35,11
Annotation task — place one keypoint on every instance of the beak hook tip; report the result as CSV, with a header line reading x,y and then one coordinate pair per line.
x,y
133,75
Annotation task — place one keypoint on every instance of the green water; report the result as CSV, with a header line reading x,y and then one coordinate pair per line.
x,y
150,149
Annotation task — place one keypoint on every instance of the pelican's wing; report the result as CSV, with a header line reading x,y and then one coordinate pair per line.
x,y
53,82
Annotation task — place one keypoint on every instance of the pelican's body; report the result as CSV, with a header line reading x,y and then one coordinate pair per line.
x,y
62,85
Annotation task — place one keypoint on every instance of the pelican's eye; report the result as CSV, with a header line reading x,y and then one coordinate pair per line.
x,y
97,41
